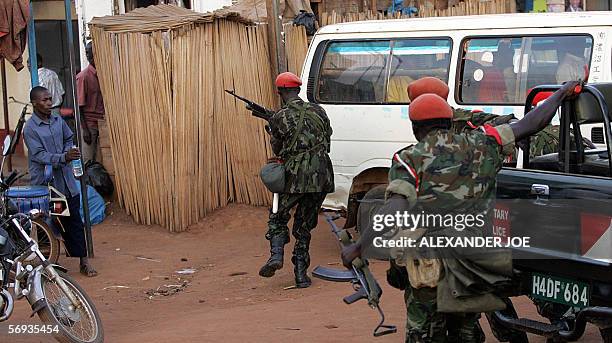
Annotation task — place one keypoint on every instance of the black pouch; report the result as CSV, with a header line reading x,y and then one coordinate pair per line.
x,y
273,177
99,178
308,20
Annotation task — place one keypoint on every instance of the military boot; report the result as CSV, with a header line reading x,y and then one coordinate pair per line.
x,y
275,262
301,261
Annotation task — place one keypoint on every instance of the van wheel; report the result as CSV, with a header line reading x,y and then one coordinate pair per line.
x,y
375,193
352,215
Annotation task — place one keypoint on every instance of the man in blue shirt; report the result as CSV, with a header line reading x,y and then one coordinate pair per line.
x,y
49,142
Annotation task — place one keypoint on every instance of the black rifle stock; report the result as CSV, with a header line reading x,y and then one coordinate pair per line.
x,y
258,110
360,276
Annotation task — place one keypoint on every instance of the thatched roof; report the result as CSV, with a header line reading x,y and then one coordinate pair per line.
x,y
254,10
161,18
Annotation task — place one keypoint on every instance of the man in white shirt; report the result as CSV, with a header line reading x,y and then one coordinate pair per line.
x,y
48,78
570,52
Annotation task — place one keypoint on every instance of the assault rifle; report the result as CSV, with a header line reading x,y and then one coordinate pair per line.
x,y
258,110
359,276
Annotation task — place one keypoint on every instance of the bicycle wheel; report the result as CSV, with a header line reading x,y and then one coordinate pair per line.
x,y
48,244
82,325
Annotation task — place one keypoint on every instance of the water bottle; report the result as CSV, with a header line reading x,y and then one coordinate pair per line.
x,y
77,166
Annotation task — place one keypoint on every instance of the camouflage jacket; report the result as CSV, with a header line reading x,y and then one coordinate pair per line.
x,y
301,135
541,143
452,172
461,117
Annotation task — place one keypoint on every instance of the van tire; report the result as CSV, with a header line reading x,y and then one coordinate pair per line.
x,y
376,192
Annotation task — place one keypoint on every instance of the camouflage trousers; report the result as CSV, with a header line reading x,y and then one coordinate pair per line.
x,y
425,325
304,219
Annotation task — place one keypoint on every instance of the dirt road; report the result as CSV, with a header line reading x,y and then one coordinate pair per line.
x,y
142,298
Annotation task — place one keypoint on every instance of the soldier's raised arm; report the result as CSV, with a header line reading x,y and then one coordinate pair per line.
x,y
539,117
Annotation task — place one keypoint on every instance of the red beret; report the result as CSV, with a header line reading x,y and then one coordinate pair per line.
x,y
288,80
427,85
429,106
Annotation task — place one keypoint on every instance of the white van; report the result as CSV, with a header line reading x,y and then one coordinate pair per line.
x,y
359,72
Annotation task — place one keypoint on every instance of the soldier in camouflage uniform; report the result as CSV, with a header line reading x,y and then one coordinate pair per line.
x,y
454,173
421,306
300,136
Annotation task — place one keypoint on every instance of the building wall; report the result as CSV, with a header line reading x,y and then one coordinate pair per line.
x,y
18,86
87,9
18,83
51,10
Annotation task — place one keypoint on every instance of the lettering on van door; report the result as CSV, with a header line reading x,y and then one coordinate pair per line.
x,y
598,58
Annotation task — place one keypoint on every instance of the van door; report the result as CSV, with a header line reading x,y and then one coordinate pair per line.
x,y
361,84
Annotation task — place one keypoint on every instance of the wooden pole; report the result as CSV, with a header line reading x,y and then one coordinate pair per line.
x,y
7,127
32,49
280,48
272,33
88,237
274,37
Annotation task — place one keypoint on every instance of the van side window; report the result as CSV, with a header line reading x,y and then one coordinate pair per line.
x,y
353,72
412,59
503,70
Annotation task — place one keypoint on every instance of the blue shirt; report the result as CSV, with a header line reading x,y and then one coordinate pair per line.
x,y
47,144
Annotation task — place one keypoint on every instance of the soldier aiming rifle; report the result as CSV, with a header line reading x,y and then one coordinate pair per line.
x,y
300,136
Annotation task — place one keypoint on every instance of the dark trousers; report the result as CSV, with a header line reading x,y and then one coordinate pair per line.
x,y
425,324
73,230
304,220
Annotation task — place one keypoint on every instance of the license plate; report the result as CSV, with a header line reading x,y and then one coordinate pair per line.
x,y
559,290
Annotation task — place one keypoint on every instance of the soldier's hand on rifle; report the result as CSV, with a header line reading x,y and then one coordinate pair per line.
x,y
349,253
